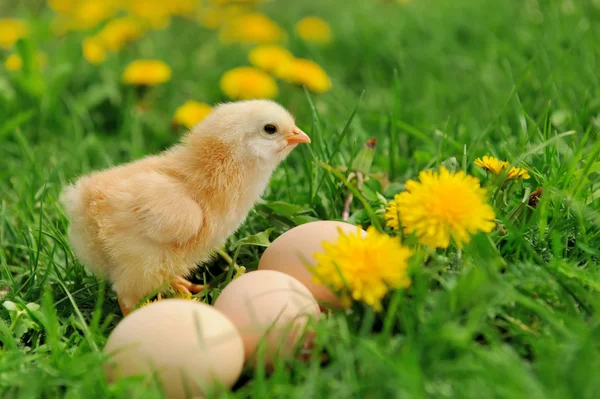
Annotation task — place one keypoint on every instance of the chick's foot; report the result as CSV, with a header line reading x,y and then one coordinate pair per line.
x,y
187,287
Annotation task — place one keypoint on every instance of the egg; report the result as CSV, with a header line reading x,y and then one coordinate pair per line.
x,y
294,249
191,346
269,308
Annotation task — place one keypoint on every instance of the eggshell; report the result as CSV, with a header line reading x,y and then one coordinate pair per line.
x,y
269,304
294,249
190,345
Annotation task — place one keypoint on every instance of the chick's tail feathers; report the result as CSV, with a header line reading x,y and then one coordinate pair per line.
x,y
75,201
72,201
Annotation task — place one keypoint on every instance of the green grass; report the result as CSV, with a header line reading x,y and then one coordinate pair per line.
x,y
508,317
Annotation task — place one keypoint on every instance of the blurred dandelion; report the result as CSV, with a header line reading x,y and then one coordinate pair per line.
x,y
313,29
11,30
118,32
253,28
191,113
146,73
88,14
442,205
363,268
246,83
269,57
14,62
93,51
155,14
62,6
183,7
305,73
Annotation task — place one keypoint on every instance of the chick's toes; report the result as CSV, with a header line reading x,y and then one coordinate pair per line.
x,y
187,287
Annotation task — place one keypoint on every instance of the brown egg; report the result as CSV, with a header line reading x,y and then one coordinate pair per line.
x,y
191,346
269,305
294,249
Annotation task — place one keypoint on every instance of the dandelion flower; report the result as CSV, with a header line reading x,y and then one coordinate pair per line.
x,y
146,73
118,32
148,302
253,28
269,57
496,166
313,29
62,6
93,51
88,14
183,7
363,268
154,13
491,164
305,73
11,30
191,113
14,62
440,206
517,173
245,83
392,215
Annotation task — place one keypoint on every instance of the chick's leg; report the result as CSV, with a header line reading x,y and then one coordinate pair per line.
x,y
187,287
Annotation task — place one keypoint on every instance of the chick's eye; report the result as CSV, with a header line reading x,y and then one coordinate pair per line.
x,y
270,129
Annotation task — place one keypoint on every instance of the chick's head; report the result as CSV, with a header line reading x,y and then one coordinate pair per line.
x,y
260,129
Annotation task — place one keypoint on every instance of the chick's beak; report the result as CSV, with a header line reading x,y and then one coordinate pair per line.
x,y
297,136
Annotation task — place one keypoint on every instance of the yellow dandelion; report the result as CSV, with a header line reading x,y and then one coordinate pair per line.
x,y
89,14
93,51
146,73
313,29
14,62
62,6
245,83
440,206
253,28
118,32
11,30
269,57
496,166
191,113
154,13
392,215
183,7
363,268
517,173
491,164
305,73
148,302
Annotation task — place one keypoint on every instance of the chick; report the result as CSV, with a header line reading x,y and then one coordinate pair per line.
x,y
150,222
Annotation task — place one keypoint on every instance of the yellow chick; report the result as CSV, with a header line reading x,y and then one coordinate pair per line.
x,y
150,222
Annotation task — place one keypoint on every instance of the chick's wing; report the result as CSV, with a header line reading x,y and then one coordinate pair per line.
x,y
161,209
